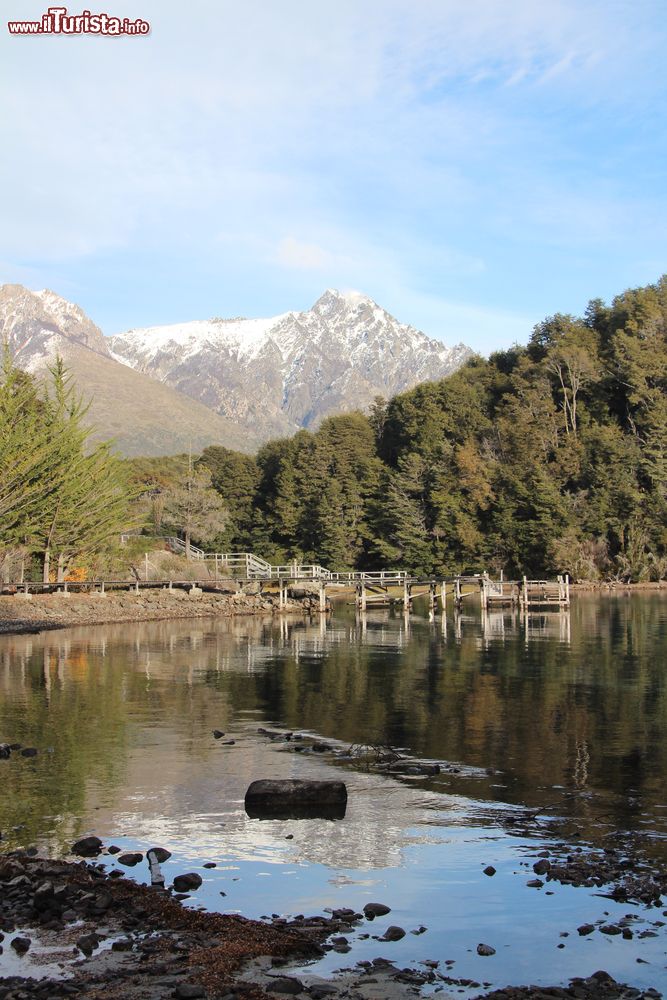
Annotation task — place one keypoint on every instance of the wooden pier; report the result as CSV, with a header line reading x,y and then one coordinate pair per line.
x,y
381,588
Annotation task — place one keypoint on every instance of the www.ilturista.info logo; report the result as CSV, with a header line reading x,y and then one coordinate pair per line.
x,y
57,21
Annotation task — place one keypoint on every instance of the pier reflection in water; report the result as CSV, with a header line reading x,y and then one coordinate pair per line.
x,y
559,713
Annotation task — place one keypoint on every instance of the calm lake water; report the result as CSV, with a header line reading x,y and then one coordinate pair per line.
x,y
563,715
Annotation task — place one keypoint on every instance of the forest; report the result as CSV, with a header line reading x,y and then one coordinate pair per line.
x,y
546,458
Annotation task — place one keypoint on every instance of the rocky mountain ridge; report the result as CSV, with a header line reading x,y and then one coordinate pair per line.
x,y
291,370
143,416
236,382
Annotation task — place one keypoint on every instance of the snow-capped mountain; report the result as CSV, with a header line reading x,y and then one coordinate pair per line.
x,y
276,375
38,325
144,416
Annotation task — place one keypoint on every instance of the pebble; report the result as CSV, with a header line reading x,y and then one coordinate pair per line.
x,y
131,859
393,933
485,950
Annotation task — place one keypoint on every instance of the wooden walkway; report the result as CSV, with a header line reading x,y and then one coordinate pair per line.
x,y
380,588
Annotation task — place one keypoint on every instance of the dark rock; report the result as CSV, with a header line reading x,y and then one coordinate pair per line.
x,y
319,991
610,929
535,883
542,866
373,910
585,929
43,896
131,859
489,870
393,933
285,985
113,849
125,944
189,991
187,882
29,752
210,864
293,797
218,733
20,944
87,943
485,950
87,847
161,854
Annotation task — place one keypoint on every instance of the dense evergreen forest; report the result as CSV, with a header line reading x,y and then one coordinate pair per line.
x,y
545,458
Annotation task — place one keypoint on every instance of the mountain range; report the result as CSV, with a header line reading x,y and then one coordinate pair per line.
x,y
236,382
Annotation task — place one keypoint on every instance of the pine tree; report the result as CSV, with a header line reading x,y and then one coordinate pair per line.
x,y
194,508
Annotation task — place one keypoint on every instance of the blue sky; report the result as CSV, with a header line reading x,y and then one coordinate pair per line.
x,y
473,165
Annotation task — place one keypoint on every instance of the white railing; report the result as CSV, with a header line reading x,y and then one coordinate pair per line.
x,y
251,567
178,545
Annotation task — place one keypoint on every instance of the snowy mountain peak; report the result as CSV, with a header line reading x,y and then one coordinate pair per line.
x,y
36,324
335,300
290,371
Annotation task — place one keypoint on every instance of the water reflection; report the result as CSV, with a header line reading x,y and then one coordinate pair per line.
x,y
551,713
554,705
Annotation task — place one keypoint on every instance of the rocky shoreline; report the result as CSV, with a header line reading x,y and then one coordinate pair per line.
x,y
54,611
74,929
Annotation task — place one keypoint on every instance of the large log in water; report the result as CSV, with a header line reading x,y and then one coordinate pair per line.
x,y
291,798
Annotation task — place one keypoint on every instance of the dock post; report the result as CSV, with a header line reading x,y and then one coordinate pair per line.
x,y
362,597
483,592
567,589
323,598
406,595
524,592
443,596
432,597
457,592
